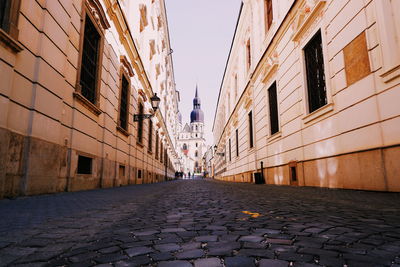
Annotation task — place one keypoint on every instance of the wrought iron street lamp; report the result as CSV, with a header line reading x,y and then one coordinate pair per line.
x,y
155,102
218,153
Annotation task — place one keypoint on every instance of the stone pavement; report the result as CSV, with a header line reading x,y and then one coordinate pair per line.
x,y
202,223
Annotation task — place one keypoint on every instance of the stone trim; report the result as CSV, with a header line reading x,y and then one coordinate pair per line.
x,y
10,42
126,65
122,130
96,10
305,18
9,36
382,178
89,105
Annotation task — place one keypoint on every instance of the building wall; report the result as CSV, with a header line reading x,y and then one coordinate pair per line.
x,y
353,140
195,142
45,126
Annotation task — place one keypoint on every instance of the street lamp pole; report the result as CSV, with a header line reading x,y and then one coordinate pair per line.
x,y
155,102
262,172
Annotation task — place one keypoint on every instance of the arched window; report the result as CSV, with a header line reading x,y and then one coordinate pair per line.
x,y
196,164
185,147
196,128
196,154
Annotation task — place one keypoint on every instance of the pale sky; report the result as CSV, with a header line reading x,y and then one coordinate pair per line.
x,y
201,33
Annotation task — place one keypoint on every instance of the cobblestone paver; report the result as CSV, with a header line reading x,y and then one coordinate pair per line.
x,y
202,223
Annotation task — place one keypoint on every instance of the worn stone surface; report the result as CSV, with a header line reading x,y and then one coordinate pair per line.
x,y
209,262
273,263
202,223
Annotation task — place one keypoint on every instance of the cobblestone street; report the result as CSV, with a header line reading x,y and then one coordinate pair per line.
x,y
202,223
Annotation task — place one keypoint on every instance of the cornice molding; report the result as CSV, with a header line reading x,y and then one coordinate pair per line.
x,y
127,66
270,67
306,16
95,8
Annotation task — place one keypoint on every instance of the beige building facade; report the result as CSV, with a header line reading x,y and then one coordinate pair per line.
x,y
73,75
311,91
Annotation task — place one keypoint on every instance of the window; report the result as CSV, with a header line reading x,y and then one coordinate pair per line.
x,y
4,13
166,157
9,13
90,61
230,151
229,103
121,172
161,152
196,144
237,143
314,61
236,87
251,140
150,148
139,174
124,105
156,146
143,17
248,54
84,165
268,14
185,147
293,173
140,125
196,154
273,109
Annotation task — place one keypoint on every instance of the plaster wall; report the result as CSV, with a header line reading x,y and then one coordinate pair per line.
x,y
45,128
352,140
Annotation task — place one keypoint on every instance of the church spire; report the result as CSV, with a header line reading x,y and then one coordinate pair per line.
x,y
197,114
196,100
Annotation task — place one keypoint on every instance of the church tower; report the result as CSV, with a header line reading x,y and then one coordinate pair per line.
x,y
191,140
197,118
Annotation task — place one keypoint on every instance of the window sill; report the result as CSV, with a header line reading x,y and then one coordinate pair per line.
x,y
391,74
150,152
89,105
10,42
84,175
123,131
318,113
139,144
274,137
